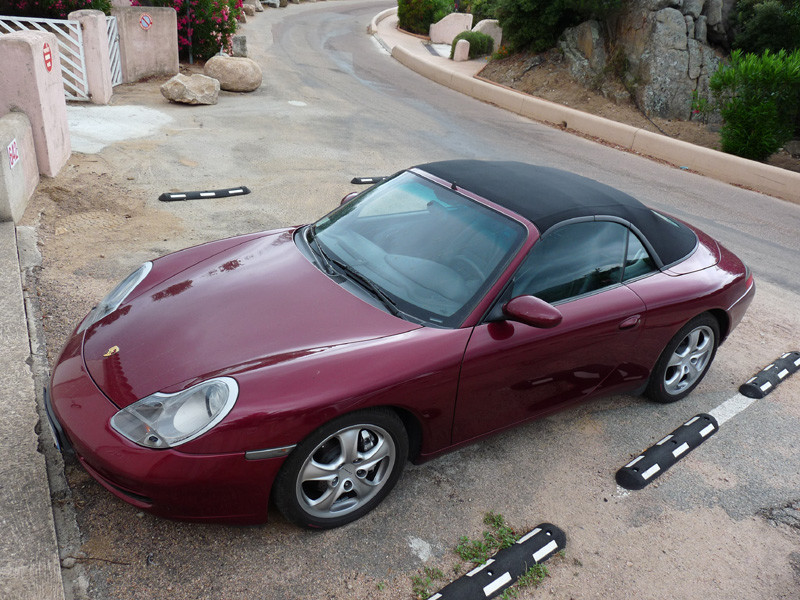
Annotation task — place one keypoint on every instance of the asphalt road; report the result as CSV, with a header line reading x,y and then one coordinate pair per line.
x,y
334,105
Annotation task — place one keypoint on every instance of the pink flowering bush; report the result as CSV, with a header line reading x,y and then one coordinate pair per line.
x,y
50,9
204,26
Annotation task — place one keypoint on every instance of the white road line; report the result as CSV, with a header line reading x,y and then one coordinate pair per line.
x,y
730,408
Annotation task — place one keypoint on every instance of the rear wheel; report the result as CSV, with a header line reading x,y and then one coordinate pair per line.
x,y
343,470
685,360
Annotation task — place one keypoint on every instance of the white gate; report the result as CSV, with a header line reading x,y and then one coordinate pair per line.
x,y
70,49
113,50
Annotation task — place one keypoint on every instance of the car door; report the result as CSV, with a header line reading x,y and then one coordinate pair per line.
x,y
512,372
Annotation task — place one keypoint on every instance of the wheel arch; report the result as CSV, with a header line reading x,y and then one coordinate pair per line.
x,y
724,322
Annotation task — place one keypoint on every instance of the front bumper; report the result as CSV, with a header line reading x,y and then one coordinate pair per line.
x,y
168,483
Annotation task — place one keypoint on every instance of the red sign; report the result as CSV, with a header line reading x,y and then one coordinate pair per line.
x,y
13,153
145,21
48,57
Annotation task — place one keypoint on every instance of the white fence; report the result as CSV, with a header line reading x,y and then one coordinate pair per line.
x,y
70,48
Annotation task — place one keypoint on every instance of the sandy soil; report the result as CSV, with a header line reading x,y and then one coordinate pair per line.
x,y
546,76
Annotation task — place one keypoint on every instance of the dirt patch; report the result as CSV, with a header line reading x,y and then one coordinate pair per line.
x,y
547,76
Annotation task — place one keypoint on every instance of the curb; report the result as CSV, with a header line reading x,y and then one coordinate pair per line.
x,y
712,163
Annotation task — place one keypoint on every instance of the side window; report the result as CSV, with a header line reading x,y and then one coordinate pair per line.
x,y
573,260
637,262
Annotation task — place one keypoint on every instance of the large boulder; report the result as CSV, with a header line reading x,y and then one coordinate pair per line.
x,y
666,48
584,49
197,89
235,74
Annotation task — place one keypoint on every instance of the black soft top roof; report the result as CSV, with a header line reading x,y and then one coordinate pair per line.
x,y
547,196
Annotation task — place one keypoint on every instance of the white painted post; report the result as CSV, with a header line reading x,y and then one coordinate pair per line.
x,y
19,172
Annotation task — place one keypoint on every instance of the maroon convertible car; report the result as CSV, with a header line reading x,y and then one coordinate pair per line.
x,y
448,302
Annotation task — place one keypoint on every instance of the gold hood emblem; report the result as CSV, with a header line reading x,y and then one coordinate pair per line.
x,y
112,351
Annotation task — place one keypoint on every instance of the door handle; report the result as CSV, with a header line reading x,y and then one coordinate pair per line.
x,y
631,322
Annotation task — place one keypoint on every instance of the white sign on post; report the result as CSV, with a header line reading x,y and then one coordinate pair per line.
x,y
13,153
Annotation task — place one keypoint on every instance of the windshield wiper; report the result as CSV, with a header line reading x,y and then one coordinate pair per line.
x,y
366,283
325,261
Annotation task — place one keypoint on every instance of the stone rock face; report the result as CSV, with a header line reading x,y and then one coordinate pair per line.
x,y
239,46
197,89
584,50
235,74
249,10
665,44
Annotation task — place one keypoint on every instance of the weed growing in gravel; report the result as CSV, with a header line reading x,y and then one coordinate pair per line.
x,y
478,551
530,578
421,584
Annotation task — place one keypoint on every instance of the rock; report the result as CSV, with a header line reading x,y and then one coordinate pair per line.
x,y
689,26
695,59
445,31
239,45
197,89
272,3
249,10
793,147
693,8
283,3
491,27
235,74
713,10
670,30
656,5
242,18
584,50
701,29
461,52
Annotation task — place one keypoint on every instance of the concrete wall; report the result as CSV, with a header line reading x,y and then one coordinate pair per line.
x,y
30,87
19,170
95,51
147,52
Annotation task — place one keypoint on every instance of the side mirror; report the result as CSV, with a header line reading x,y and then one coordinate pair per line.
x,y
532,311
347,198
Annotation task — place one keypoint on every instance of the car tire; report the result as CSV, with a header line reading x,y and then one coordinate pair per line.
x,y
685,360
343,470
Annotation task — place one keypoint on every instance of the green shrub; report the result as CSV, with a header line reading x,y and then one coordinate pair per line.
x,y
537,24
759,99
204,26
416,16
50,9
480,44
767,25
481,9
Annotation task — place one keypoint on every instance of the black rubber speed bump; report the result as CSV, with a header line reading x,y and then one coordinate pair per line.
x,y
504,568
651,463
766,380
226,193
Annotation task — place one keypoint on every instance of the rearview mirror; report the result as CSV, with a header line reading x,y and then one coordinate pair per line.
x,y
532,311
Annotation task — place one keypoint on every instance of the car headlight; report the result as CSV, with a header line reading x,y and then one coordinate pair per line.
x,y
168,420
116,296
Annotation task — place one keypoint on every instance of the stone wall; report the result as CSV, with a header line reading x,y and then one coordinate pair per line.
x,y
663,49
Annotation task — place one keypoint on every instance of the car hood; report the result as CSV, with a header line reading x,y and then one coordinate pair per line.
x,y
259,303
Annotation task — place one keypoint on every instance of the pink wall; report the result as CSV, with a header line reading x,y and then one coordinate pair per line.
x,y
31,88
151,51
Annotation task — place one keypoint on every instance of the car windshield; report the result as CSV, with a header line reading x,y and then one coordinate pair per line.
x,y
427,251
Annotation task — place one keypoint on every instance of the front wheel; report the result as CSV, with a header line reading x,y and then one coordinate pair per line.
x,y
343,470
685,360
